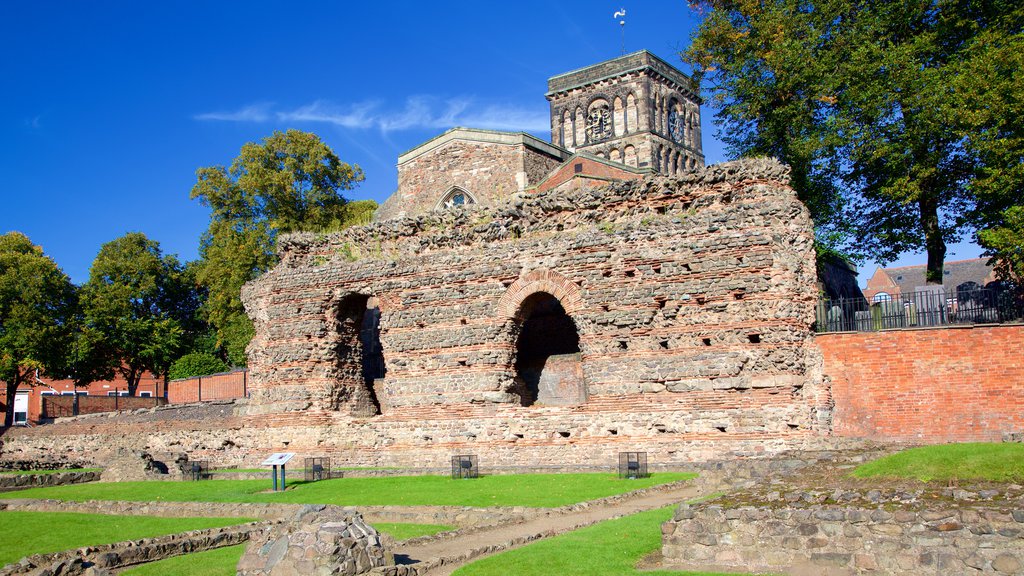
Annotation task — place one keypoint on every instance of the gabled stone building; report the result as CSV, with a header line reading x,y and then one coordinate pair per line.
x,y
618,120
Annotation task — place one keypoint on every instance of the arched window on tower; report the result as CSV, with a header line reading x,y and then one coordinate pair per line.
x,y
581,124
631,114
618,117
567,130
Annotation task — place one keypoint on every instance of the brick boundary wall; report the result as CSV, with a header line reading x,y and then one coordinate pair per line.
x,y
223,386
955,384
64,406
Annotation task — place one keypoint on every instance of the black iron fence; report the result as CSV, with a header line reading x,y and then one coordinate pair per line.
x,y
924,308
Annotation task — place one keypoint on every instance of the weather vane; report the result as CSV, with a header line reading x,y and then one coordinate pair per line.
x,y
622,26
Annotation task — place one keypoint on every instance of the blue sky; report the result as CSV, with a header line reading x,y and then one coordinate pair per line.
x,y
108,108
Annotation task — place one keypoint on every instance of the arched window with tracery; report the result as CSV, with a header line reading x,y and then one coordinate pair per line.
x,y
456,197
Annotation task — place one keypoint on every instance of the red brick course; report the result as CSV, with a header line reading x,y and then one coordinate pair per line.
x,y
927,386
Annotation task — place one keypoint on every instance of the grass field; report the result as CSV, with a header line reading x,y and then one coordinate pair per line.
x,y
994,462
535,490
30,533
222,561
610,548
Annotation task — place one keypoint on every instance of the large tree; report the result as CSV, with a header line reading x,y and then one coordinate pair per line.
x,y
137,308
291,181
868,101
37,305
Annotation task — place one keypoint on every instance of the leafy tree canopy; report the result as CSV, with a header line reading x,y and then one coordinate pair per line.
x,y
290,182
196,364
37,305
137,307
878,106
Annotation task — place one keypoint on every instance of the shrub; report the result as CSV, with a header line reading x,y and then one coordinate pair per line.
x,y
196,364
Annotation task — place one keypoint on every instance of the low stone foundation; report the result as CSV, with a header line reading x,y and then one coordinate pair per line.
x,y
837,540
22,481
97,560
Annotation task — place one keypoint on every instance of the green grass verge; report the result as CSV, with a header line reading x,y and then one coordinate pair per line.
x,y
534,490
218,562
405,531
222,561
994,462
43,532
610,548
23,472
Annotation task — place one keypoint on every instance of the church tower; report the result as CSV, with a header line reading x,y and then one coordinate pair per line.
x,y
635,109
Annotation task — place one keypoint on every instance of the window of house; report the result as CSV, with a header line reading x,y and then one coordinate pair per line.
x,y
144,394
881,297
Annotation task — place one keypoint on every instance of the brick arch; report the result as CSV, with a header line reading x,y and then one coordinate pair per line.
x,y
540,280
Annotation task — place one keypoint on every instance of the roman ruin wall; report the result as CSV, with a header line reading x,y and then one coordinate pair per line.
x,y
670,315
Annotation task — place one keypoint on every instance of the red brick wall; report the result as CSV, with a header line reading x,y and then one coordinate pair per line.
x,y
63,406
929,385
212,387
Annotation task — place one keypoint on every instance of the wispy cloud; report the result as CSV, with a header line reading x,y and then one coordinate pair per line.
x,y
419,112
251,113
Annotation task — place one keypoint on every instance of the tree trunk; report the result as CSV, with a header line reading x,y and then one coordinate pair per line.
x,y
12,394
132,378
933,241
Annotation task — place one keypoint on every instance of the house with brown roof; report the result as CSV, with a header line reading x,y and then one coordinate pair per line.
x,y
957,276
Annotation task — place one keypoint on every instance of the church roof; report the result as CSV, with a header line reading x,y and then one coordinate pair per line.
x,y
635,62
484,136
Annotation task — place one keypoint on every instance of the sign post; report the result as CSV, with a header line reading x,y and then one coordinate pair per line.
x,y
278,459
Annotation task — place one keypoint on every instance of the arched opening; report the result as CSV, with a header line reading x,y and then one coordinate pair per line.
x,y
456,196
547,364
359,355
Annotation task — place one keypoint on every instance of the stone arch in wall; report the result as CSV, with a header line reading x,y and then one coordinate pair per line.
x,y
629,155
567,130
632,119
358,354
618,117
455,196
580,125
547,361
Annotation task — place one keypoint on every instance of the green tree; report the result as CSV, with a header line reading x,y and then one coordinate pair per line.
x,y
291,181
37,304
136,308
868,101
196,364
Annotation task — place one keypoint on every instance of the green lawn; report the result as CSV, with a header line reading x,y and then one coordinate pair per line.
x,y
995,462
405,531
536,490
610,548
218,562
222,561
42,532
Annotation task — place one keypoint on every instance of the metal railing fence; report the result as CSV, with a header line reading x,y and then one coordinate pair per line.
x,y
925,308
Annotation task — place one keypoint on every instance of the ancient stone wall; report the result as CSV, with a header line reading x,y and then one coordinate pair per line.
x,y
837,540
691,301
956,384
489,166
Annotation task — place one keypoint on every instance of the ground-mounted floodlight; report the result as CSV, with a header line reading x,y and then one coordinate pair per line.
x,y
318,469
633,465
465,466
198,469
278,459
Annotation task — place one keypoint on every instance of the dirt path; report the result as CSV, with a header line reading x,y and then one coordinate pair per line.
x,y
453,552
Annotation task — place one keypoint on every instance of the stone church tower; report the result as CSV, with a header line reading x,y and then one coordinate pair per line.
x,y
635,109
